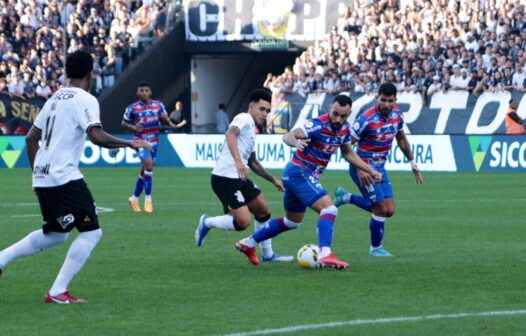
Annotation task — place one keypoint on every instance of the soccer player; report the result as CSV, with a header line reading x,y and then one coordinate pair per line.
x,y
374,130
142,117
315,143
65,200
230,182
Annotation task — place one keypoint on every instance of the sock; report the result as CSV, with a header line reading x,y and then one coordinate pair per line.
x,y
360,202
78,254
147,198
148,182
377,230
139,184
266,245
225,222
324,251
34,242
273,228
326,226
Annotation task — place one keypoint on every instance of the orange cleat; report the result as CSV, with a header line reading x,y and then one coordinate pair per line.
x,y
250,252
134,205
332,261
63,298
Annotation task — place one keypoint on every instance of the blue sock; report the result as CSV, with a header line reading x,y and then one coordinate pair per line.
x,y
377,230
361,202
272,229
138,186
326,226
148,182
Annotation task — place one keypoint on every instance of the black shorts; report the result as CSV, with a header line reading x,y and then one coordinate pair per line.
x,y
66,207
234,193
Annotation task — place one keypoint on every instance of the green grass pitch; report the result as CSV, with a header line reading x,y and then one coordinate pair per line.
x,y
459,241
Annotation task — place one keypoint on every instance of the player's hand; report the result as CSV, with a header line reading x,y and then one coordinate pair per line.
x,y
137,144
377,176
137,128
302,143
365,178
242,170
418,174
279,185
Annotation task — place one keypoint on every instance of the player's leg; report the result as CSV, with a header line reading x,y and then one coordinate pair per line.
x,y
237,214
341,196
133,200
148,181
37,240
385,208
261,211
76,196
328,213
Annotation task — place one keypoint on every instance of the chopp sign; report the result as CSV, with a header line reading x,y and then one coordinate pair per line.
x,y
95,155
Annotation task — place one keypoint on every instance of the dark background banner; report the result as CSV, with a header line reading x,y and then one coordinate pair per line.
x,y
17,115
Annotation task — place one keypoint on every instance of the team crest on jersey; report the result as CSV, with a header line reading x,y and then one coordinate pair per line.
x,y
64,221
309,124
356,126
239,196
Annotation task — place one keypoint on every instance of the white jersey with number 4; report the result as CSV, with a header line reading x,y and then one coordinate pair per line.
x,y
64,121
225,165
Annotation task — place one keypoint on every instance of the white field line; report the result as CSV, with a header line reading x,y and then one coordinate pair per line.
x,y
377,321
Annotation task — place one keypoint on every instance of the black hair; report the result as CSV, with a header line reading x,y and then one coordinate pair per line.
x,y
343,100
221,106
144,84
79,64
260,94
387,89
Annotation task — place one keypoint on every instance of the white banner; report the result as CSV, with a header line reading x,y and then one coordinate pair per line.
x,y
432,152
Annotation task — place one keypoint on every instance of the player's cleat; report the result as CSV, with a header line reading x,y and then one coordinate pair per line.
x,y
332,261
338,196
250,252
379,252
63,298
134,205
278,258
148,206
201,231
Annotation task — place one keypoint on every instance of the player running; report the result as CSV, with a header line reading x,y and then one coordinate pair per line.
x,y
374,130
142,117
230,182
65,200
315,141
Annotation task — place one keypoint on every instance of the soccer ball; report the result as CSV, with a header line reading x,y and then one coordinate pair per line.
x,y
308,256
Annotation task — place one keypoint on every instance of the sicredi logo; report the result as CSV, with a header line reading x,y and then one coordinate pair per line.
x,y
93,154
11,147
508,154
479,146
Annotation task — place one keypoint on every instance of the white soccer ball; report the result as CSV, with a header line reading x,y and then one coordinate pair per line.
x,y
308,256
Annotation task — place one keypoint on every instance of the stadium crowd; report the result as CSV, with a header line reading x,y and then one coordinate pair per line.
x,y
421,46
32,39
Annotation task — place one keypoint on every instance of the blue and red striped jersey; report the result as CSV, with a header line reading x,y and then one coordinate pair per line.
x,y
324,141
148,116
375,134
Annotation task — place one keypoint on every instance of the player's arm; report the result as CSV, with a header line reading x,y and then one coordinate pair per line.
x,y
32,139
405,147
296,138
257,168
134,127
231,140
366,174
167,121
97,135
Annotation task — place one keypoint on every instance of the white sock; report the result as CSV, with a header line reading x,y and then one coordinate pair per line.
x,y
34,242
78,253
135,198
347,198
266,245
147,198
324,251
250,242
225,222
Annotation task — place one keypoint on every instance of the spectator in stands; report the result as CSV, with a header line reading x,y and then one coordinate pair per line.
x,y
514,124
43,90
434,87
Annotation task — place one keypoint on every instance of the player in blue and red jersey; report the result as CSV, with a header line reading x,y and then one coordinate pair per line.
x,y
374,131
315,141
142,117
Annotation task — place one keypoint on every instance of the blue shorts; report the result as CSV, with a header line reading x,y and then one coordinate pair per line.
x,y
302,188
144,154
379,191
